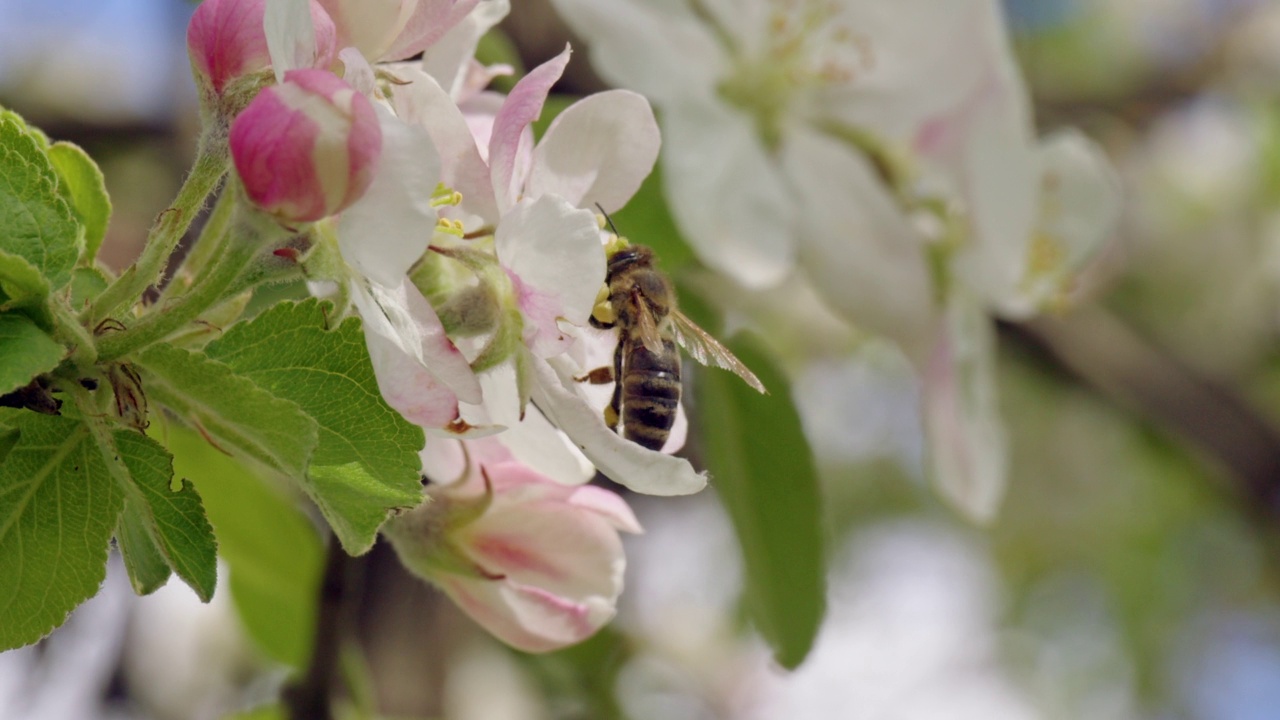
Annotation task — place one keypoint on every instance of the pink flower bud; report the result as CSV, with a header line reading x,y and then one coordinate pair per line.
x,y
307,148
225,40
537,563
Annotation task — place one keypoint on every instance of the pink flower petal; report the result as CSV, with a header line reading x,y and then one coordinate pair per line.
x,y
510,141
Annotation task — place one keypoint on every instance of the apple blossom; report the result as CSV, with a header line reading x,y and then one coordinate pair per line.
x,y
535,562
307,148
226,40
597,151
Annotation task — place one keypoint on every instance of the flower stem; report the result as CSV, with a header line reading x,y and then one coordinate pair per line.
x,y
170,226
249,236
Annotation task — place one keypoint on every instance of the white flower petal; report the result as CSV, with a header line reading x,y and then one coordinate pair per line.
x,y
597,151
405,315
968,453
423,102
726,193
1079,207
609,505
291,35
552,251
403,378
388,229
532,440
357,72
644,46
863,257
621,460
448,58
997,172
920,57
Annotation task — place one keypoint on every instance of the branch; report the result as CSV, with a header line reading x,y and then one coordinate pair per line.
x,y
1101,350
311,696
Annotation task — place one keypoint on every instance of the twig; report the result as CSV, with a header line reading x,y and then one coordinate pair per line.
x,y
1104,352
311,696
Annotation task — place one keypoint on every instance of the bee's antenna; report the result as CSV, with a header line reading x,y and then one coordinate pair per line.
x,y
609,220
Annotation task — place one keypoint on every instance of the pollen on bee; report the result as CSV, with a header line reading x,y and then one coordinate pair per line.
x,y
603,311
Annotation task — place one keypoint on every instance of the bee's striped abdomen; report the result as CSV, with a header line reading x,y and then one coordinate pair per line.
x,y
650,394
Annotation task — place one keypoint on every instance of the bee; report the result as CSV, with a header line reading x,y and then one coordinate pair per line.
x,y
640,301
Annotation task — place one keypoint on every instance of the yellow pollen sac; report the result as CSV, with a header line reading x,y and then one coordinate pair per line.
x,y
603,311
1045,256
444,195
451,227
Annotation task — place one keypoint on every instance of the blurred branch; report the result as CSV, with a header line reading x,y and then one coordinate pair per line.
x,y
1105,353
311,696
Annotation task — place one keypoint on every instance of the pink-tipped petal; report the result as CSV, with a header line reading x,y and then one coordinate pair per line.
x,y
431,20
510,140
451,58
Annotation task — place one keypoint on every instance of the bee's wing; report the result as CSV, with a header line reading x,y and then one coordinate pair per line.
x,y
707,350
647,327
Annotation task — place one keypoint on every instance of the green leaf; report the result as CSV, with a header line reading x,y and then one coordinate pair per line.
x,y
366,463
86,191
25,352
36,222
147,567
58,506
273,554
763,470
23,287
174,520
229,408
86,284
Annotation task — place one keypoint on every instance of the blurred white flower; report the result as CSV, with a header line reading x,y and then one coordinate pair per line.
x,y
886,151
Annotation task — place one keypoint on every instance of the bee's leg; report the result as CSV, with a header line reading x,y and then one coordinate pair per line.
x,y
614,411
599,376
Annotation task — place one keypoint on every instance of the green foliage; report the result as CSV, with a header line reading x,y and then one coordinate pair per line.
x,y
174,521
25,352
84,188
762,468
148,570
36,222
58,507
273,554
23,287
366,463
229,408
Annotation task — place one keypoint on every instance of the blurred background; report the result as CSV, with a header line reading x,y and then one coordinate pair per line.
x,y
1132,573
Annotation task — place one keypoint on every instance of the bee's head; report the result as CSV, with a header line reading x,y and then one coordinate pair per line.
x,y
629,256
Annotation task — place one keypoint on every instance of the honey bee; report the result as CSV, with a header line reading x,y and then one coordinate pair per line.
x,y
640,301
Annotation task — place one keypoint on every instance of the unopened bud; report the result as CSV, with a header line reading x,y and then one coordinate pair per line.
x,y
308,147
225,40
